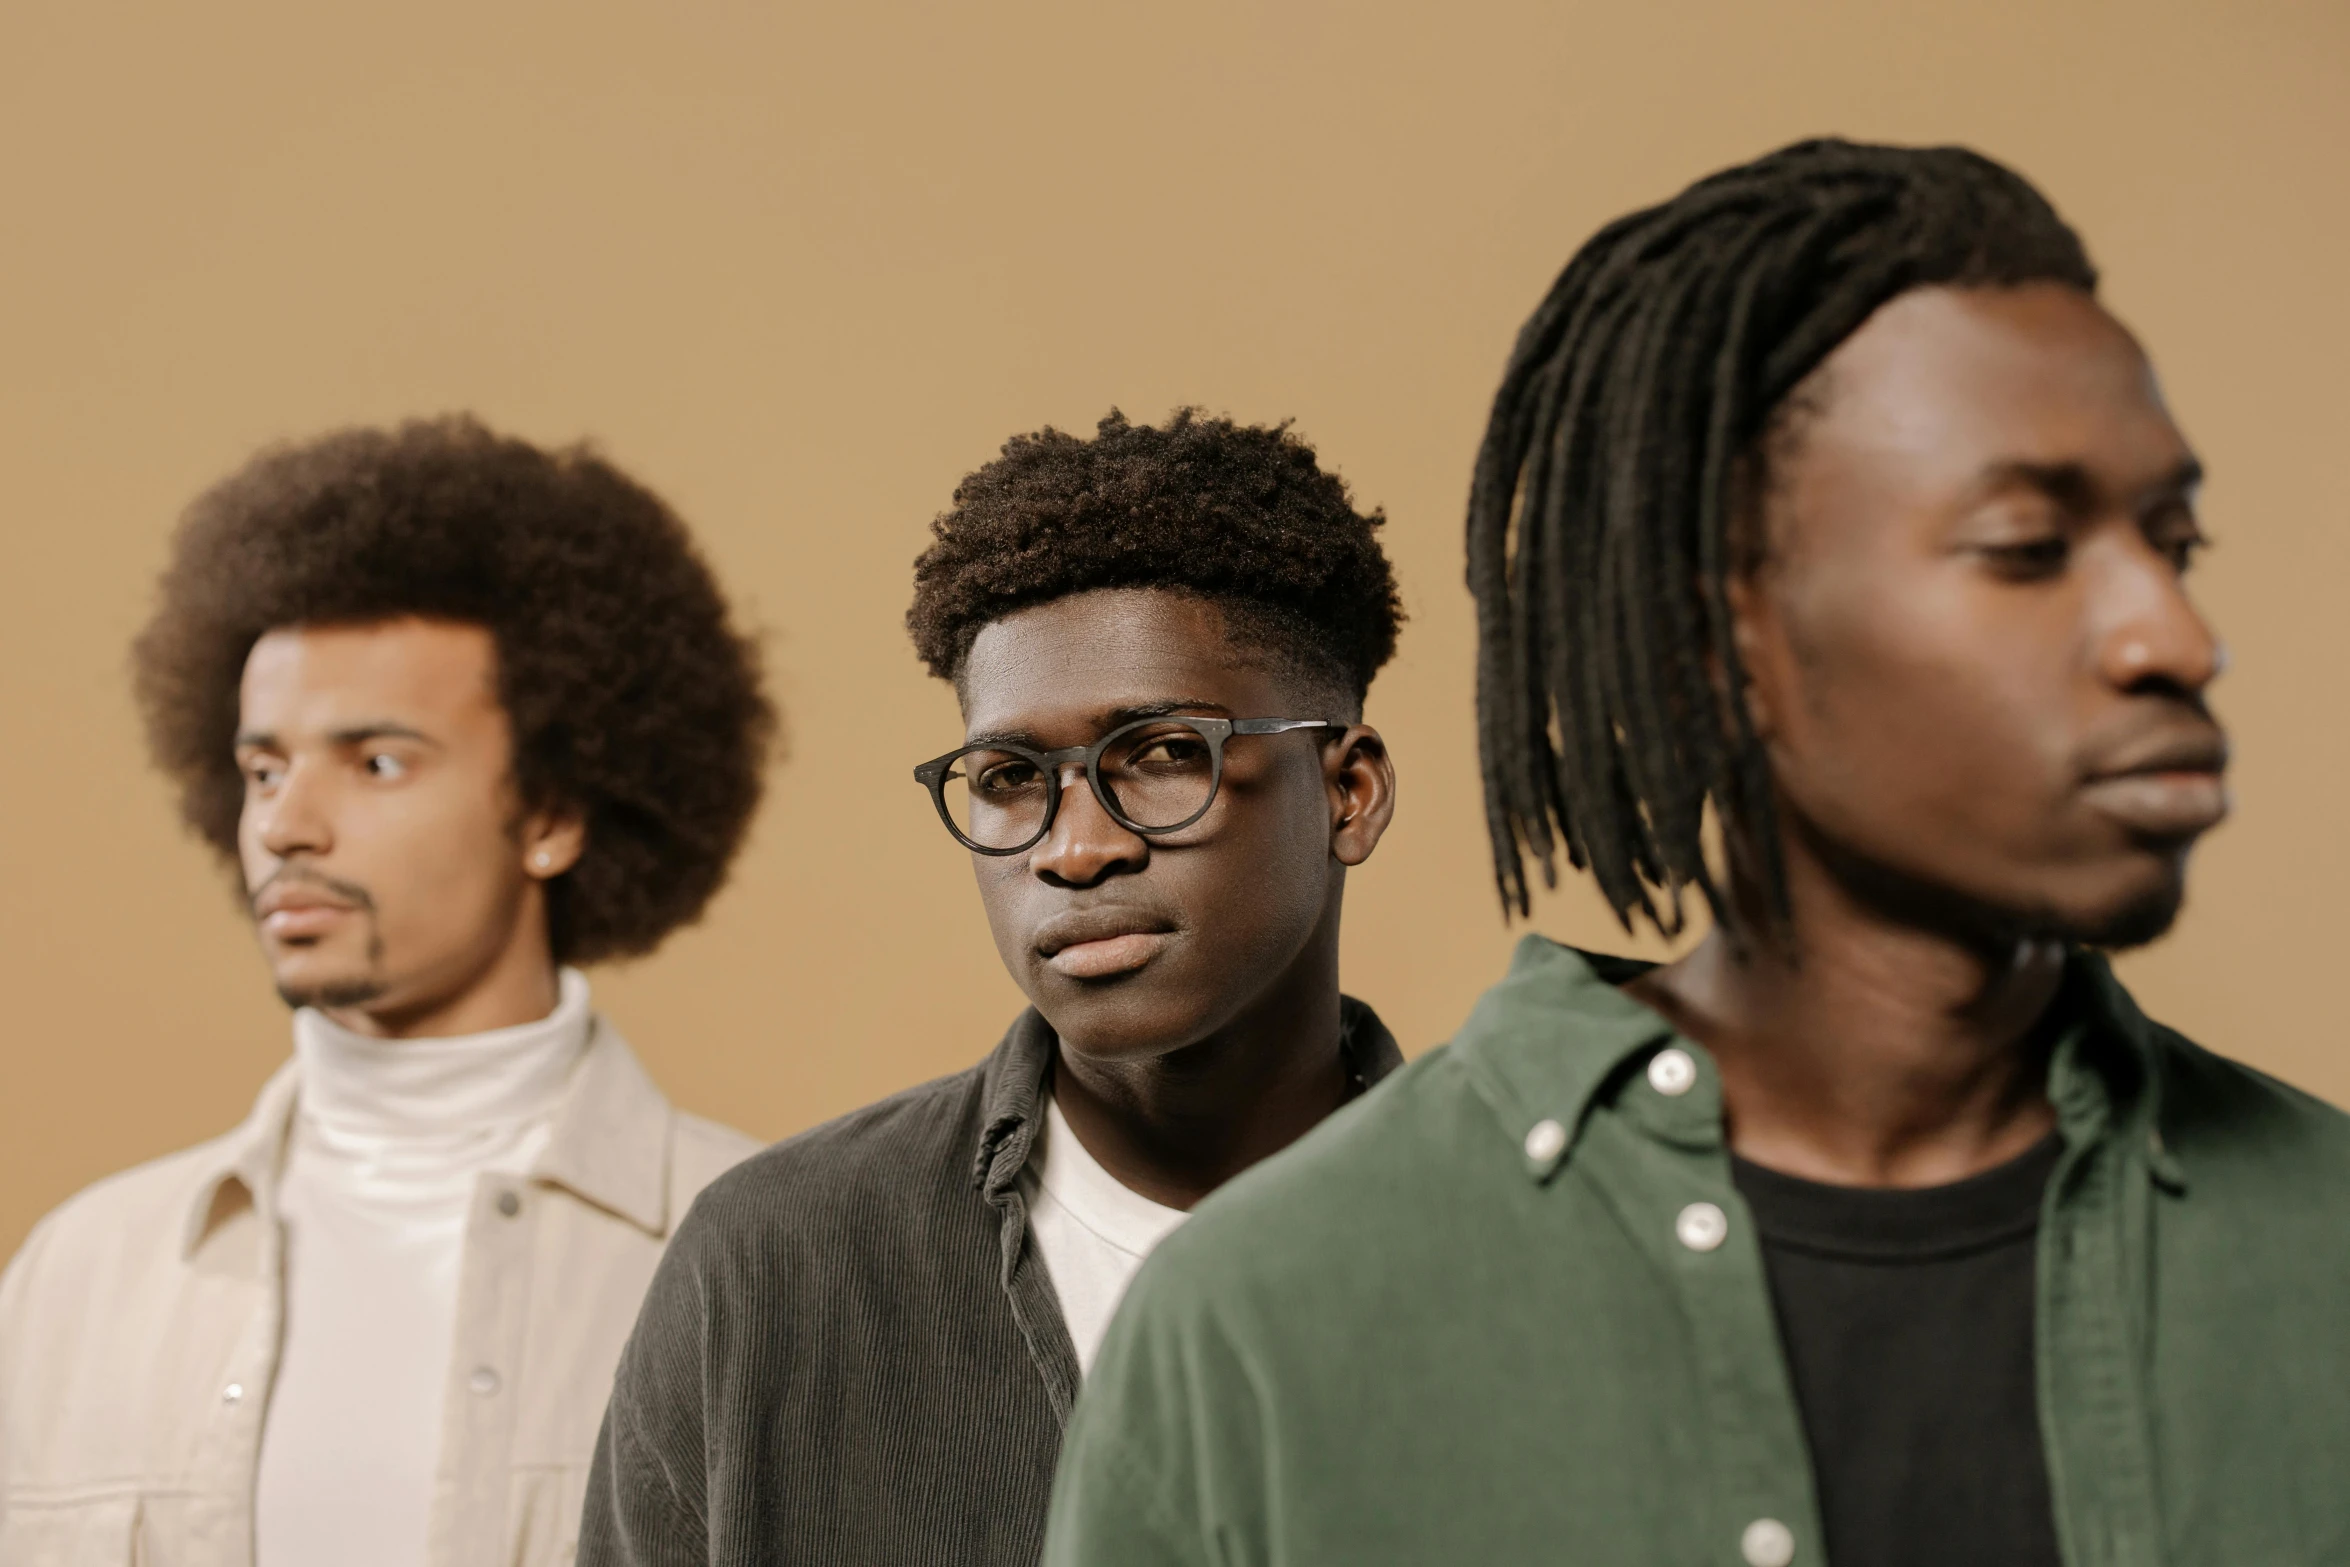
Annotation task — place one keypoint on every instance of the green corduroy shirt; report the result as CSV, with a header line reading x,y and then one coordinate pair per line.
x,y
1471,1319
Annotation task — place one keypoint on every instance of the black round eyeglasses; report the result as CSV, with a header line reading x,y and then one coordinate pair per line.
x,y
1155,775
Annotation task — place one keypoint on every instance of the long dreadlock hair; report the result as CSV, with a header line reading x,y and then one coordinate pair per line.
x,y
1604,520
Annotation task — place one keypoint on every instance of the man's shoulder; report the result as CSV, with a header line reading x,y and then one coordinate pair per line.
x,y
874,1166
701,1150
2222,1116
133,1221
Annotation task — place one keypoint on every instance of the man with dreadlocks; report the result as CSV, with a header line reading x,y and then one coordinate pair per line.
x,y
1824,500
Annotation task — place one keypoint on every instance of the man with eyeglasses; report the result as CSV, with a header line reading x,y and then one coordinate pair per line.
x,y
864,1343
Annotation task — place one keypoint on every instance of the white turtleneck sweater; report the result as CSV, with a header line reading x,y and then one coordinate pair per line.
x,y
389,1138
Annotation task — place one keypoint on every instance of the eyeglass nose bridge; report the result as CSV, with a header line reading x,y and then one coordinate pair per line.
x,y
1072,767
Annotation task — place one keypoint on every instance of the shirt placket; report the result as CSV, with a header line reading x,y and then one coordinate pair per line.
x,y
469,1525
2094,1418
1660,1158
228,1455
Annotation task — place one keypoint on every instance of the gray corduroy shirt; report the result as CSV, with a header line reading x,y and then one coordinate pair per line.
x,y
851,1351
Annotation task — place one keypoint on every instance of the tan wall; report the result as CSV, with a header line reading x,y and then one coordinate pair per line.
x,y
801,266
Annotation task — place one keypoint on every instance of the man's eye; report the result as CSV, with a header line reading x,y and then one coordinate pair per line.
x,y
1005,777
382,764
2031,558
262,775
2179,544
1176,750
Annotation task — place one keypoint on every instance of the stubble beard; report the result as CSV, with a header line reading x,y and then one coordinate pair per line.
x,y
355,991
2137,923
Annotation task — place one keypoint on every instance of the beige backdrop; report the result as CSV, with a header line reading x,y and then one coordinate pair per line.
x,y
801,266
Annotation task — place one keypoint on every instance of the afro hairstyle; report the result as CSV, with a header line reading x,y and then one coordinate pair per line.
x,y
633,699
1241,516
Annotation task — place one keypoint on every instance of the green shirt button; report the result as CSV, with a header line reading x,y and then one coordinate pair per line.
x,y
1767,1543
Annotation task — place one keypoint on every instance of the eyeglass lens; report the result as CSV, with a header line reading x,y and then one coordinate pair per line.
x,y
1157,775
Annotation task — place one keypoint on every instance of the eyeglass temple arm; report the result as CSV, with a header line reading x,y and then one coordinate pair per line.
x,y
1275,726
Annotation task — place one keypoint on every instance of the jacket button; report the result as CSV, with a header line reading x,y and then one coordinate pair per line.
x,y
509,1204
1702,1226
483,1381
232,1393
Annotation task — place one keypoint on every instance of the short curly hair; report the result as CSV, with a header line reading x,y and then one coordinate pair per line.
x,y
1239,515
633,698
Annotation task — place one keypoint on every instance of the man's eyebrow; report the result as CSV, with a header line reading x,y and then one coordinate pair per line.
x,y
2072,486
355,734
2181,480
1107,721
360,734
2069,484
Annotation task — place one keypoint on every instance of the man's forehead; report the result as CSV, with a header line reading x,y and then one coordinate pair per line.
x,y
1088,658
320,676
1946,383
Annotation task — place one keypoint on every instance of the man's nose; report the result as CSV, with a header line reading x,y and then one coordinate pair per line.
x,y
294,818
2154,636
1086,843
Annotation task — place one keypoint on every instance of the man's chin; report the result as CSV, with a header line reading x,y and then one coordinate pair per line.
x,y
2114,924
328,993
2111,918
2132,924
1122,1023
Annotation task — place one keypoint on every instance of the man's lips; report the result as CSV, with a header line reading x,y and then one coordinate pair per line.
x,y
294,921
2172,786
292,911
1096,943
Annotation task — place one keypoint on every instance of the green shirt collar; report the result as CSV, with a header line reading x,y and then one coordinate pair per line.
x,y
1558,1032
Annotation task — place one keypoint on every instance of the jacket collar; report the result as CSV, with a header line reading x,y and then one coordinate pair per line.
x,y
1012,1085
1558,1033
609,1145
240,1171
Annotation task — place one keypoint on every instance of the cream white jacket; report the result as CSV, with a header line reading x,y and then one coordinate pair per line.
x,y
139,1329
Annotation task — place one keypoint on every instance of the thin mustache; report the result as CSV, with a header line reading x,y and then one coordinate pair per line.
x,y
349,891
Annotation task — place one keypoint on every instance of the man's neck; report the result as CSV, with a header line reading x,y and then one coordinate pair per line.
x,y
1862,1051
1176,1126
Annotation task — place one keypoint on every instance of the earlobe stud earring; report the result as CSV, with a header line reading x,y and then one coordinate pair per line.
x,y
542,859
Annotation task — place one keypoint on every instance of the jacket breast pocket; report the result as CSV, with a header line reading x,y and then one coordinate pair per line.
x,y
100,1532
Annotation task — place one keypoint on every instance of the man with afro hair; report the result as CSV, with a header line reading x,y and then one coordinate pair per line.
x,y
865,1341
462,715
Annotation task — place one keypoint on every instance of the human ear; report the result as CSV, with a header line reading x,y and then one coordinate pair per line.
x,y
1753,633
1359,776
552,842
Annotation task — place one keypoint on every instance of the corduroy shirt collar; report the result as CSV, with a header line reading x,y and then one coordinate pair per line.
x,y
1014,1084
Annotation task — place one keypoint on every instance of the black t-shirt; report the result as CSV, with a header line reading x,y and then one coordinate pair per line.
x,y
1907,1318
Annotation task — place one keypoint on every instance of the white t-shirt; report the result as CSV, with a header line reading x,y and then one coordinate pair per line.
x,y
388,1140
1091,1231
